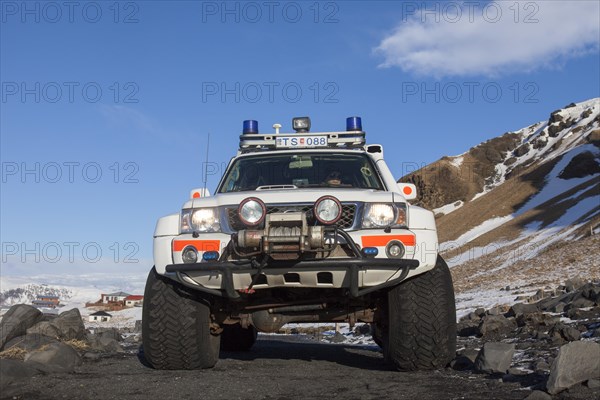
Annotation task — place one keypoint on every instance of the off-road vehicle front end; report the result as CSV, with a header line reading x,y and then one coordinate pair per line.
x,y
304,227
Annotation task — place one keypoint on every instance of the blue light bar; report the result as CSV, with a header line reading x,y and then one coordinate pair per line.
x,y
250,126
353,124
210,255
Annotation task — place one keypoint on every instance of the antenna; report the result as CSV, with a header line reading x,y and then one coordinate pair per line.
x,y
206,163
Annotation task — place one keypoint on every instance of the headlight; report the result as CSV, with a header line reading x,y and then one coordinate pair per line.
x,y
328,210
252,211
200,220
381,215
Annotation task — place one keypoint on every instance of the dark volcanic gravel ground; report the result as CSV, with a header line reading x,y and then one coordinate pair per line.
x,y
278,367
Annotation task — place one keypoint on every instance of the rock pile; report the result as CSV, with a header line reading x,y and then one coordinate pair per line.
x,y
32,343
550,343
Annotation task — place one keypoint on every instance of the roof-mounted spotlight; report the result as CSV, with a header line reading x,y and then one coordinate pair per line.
x,y
250,126
353,124
301,124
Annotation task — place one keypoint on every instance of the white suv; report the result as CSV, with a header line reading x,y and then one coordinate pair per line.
x,y
304,227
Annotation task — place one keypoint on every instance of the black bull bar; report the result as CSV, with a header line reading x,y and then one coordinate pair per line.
x,y
352,265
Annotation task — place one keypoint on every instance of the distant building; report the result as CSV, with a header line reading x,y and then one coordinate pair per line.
x,y
46,301
100,316
134,300
43,304
114,297
48,298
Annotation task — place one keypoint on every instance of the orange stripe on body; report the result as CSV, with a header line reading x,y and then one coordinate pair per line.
x,y
200,245
383,240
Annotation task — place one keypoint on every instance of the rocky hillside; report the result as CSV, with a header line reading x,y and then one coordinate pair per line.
x,y
452,181
527,200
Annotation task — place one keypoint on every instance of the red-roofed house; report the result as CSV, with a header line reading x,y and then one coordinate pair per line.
x,y
133,300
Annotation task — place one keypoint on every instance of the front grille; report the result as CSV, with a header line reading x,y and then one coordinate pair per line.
x,y
345,222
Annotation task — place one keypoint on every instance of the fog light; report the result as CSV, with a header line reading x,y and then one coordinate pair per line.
x,y
210,255
189,255
395,249
370,252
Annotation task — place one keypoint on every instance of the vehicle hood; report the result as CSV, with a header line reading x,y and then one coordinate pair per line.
x,y
300,196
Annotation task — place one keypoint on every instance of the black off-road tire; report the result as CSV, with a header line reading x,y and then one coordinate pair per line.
x,y
376,335
421,321
176,327
236,338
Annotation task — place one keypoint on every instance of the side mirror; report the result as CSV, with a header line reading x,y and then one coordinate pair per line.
x,y
201,192
408,190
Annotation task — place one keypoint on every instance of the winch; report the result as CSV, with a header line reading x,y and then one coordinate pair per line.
x,y
284,236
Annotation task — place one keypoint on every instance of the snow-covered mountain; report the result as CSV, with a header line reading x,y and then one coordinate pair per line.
x,y
507,201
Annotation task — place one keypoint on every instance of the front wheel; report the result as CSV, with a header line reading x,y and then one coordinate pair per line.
x,y
420,331
176,327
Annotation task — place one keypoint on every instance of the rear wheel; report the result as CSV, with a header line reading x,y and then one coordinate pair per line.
x,y
420,331
236,338
176,327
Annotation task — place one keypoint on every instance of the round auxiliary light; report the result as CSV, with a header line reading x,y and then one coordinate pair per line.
x,y
250,126
395,249
353,124
328,210
252,211
189,255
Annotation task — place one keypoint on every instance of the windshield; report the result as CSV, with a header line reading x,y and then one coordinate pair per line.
x,y
339,170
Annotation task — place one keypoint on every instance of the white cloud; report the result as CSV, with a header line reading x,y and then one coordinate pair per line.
x,y
491,39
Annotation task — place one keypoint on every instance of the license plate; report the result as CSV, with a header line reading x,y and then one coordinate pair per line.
x,y
301,141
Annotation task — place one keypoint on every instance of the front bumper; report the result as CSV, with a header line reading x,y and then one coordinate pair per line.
x,y
351,268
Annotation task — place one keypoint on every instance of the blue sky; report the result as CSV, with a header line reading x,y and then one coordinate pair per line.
x,y
130,91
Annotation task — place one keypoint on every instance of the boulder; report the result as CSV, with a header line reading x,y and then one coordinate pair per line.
x,y
539,295
461,363
467,328
470,353
555,117
495,311
12,373
570,334
55,357
104,344
364,329
337,338
16,321
577,313
593,383
591,292
521,150
495,357
548,303
113,333
538,395
574,284
580,303
30,342
45,328
560,307
522,308
541,367
576,362
496,326
70,325
536,320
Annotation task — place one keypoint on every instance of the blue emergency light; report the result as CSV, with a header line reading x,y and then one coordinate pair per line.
x,y
353,124
250,126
